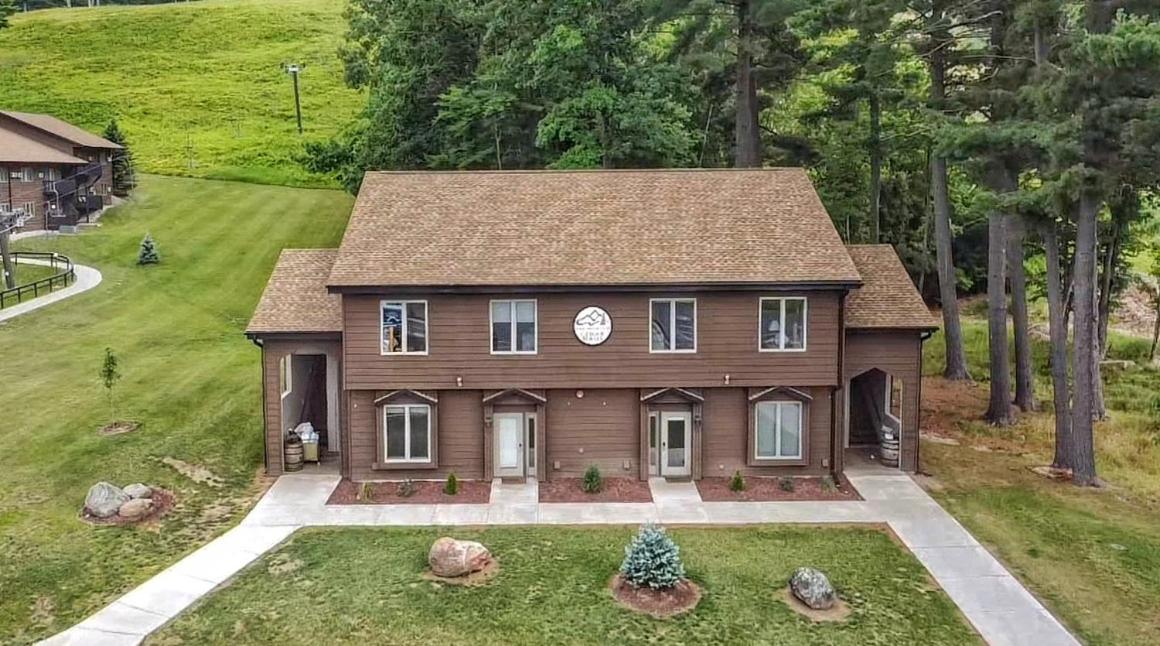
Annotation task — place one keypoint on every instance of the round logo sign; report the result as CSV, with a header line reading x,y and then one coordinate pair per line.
x,y
592,325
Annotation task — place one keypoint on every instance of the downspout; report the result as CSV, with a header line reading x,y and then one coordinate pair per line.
x,y
265,449
837,404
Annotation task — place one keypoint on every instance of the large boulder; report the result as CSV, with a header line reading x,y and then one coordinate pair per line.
x,y
105,499
451,558
139,490
135,509
812,588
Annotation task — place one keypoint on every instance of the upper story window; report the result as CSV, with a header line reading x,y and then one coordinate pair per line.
x,y
513,327
404,327
673,325
783,324
779,430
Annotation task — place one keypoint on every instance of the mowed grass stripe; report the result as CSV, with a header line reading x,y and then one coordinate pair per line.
x,y
190,377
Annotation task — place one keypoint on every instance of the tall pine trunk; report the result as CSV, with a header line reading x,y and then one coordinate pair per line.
x,y
1024,371
955,357
875,168
999,408
1057,329
1082,454
1155,329
747,136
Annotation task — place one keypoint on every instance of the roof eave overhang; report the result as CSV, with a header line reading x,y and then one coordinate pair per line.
x,y
596,287
314,335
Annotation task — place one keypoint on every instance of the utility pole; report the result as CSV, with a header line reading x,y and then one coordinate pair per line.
x,y
293,69
9,222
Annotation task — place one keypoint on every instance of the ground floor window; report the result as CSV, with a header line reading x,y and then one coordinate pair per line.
x,y
407,431
779,430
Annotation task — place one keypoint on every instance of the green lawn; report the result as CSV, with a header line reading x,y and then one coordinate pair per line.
x,y
359,586
190,378
1093,555
201,81
26,274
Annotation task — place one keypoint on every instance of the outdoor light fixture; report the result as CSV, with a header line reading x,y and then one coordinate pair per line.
x,y
459,381
579,394
726,379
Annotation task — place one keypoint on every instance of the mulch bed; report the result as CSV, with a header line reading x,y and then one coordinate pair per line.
x,y
475,579
118,427
614,490
162,503
471,492
838,612
660,604
759,489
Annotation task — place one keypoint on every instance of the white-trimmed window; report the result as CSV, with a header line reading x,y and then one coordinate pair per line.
x,y
407,433
285,379
778,430
30,208
513,327
403,327
673,325
782,324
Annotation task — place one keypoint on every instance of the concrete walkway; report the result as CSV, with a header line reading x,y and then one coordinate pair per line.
x,y
994,602
87,278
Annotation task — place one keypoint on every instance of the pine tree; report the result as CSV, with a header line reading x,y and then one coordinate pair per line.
x,y
652,560
124,178
7,8
148,254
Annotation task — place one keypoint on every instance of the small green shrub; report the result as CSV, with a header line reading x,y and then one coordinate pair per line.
x,y
593,481
148,254
737,482
365,491
652,559
451,487
406,488
828,484
786,483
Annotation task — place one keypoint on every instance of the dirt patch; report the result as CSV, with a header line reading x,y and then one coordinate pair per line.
x,y
427,492
614,490
761,489
119,427
283,564
938,439
475,579
660,604
162,503
838,612
197,473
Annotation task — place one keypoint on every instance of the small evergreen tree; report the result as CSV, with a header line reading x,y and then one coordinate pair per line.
x,y
148,254
593,481
110,375
451,487
737,482
652,559
124,178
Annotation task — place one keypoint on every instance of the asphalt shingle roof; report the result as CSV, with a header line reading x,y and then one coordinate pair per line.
x,y
296,299
61,129
568,228
887,298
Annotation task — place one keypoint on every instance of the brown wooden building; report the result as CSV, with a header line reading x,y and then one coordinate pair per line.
x,y
52,171
677,323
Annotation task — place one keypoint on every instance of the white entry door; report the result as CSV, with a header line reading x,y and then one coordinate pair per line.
x,y
676,441
509,445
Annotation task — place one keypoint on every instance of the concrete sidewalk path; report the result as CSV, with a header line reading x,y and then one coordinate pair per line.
x,y
87,278
994,602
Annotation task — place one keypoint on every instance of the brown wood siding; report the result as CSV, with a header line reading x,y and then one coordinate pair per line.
x,y
726,434
898,352
272,352
459,441
459,346
602,428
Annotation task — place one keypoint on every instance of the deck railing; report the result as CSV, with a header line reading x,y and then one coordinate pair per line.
x,y
63,274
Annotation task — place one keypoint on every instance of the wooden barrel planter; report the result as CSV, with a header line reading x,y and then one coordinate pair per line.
x,y
293,454
888,447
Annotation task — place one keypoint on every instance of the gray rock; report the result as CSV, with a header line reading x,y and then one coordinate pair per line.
x,y
136,508
451,558
812,588
139,490
104,499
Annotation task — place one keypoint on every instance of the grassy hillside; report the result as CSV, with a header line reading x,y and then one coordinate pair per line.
x,y
190,378
201,80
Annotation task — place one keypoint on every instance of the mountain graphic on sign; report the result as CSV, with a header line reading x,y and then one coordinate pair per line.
x,y
592,318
